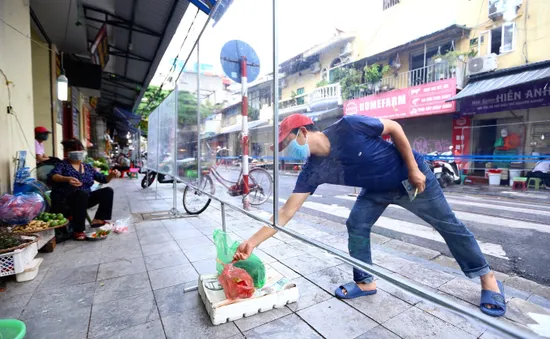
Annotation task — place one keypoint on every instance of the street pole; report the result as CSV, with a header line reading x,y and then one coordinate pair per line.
x,y
244,113
198,118
275,113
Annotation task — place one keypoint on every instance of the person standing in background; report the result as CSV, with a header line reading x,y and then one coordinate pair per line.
x,y
41,134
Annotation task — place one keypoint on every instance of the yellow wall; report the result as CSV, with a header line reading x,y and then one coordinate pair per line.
x,y
532,28
404,22
41,89
412,19
15,62
309,80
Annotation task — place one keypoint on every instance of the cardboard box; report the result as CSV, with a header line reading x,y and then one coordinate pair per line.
x,y
277,292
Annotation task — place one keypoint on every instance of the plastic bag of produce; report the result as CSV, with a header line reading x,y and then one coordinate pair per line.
x,y
21,208
226,248
236,282
121,225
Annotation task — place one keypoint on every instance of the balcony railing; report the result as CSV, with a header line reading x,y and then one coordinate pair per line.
x,y
424,75
419,76
325,93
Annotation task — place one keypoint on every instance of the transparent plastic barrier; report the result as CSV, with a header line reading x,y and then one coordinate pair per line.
x,y
152,141
210,120
213,139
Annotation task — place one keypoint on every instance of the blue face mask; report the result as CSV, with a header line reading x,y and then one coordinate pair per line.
x,y
297,151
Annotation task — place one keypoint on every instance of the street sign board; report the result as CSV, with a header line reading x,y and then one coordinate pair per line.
x,y
232,53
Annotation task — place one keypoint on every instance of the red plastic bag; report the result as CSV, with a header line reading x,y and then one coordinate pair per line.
x,y
236,282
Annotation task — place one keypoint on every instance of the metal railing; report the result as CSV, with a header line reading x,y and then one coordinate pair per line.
x,y
424,75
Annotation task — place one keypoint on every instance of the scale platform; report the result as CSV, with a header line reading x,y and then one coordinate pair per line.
x,y
277,292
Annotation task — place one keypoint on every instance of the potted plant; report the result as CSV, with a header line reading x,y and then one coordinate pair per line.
x,y
373,76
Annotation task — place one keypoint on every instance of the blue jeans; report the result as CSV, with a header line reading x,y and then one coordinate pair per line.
x,y
432,207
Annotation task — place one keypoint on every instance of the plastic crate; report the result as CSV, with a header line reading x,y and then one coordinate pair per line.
x,y
16,261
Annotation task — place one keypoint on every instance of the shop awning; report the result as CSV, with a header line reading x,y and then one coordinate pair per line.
x,y
251,125
503,79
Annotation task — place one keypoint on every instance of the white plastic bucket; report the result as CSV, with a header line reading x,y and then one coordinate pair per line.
x,y
514,173
494,179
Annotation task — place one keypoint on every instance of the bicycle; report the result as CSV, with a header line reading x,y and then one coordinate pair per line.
x,y
260,184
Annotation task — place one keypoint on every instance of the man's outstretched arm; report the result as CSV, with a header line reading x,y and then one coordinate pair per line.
x,y
291,206
399,139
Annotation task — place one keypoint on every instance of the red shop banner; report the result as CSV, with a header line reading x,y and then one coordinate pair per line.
x,y
462,128
422,100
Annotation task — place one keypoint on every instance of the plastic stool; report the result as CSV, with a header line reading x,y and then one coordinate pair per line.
x,y
534,182
133,173
519,183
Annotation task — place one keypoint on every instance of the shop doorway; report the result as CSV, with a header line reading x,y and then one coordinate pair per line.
x,y
487,133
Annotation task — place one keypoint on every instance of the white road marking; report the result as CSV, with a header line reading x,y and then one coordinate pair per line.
x,y
527,195
495,205
497,221
543,326
410,228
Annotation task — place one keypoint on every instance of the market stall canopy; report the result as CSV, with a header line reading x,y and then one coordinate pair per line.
x,y
505,78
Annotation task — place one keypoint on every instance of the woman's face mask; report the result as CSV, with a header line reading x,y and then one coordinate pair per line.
x,y
77,155
297,151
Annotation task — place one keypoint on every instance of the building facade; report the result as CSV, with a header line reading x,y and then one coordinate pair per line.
x,y
432,58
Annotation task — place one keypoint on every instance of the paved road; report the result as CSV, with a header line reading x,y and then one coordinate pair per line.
x,y
514,235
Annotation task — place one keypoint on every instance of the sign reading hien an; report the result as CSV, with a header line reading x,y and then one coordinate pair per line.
x,y
428,99
532,95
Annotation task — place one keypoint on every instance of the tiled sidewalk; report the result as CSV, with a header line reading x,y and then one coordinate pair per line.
x,y
131,285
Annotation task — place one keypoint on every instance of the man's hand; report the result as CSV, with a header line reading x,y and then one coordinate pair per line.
x,y
243,251
417,180
74,182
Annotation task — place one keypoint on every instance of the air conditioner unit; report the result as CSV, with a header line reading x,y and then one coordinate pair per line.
x,y
482,64
499,8
315,67
347,50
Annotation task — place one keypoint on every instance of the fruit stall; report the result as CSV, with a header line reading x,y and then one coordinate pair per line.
x,y
24,230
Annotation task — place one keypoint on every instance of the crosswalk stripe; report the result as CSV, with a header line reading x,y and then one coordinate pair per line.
x,y
467,216
405,227
517,207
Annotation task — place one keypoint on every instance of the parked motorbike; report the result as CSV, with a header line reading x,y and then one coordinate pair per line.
x,y
150,176
445,169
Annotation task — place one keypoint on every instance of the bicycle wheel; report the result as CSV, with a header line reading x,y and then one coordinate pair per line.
x,y
261,186
148,179
194,201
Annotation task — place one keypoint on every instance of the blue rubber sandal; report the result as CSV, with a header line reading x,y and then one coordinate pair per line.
x,y
497,300
353,291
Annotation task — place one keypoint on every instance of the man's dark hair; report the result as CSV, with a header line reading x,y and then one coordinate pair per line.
x,y
309,128
71,145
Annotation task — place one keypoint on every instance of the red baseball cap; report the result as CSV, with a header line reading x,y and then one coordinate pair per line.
x,y
41,129
289,123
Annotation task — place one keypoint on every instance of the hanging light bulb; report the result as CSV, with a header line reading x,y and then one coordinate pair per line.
x,y
542,137
62,84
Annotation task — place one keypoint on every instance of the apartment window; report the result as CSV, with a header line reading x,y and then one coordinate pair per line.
x,y
389,3
300,100
503,39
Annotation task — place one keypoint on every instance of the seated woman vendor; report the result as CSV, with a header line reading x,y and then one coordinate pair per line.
x,y
72,181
